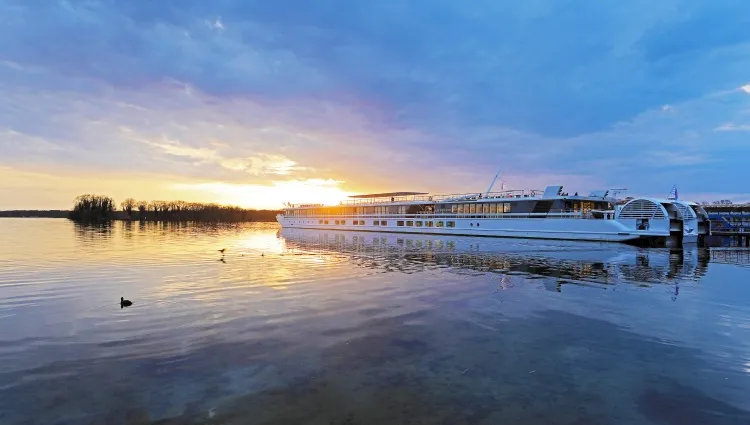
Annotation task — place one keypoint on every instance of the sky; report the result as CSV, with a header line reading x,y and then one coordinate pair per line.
x,y
257,103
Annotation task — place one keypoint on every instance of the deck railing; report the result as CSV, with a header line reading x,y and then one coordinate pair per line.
x,y
442,198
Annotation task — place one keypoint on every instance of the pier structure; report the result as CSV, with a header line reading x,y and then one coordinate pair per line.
x,y
730,221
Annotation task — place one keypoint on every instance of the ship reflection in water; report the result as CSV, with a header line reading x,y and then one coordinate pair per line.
x,y
568,262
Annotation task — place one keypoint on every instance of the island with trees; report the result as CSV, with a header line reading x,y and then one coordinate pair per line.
x,y
92,208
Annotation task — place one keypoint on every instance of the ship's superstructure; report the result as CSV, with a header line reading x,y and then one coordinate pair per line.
x,y
545,214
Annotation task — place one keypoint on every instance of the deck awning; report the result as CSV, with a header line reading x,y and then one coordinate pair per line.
x,y
387,195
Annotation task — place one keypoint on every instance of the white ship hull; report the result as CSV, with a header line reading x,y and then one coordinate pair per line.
x,y
533,228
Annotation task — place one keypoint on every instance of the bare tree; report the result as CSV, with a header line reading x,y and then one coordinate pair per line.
x,y
128,205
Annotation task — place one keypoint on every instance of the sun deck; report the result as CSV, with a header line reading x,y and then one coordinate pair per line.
x,y
409,198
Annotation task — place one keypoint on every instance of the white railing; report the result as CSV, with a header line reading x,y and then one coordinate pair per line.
x,y
443,198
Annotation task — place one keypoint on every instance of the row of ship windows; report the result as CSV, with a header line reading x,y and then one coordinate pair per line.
x,y
409,223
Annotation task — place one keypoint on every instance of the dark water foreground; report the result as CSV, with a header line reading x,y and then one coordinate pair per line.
x,y
348,328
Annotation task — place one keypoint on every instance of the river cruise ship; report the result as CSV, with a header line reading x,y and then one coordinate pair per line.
x,y
541,214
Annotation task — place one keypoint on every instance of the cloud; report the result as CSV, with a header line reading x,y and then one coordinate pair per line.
x,y
172,147
379,96
733,127
261,164
216,24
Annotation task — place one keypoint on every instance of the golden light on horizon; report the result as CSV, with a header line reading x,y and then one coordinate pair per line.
x,y
273,196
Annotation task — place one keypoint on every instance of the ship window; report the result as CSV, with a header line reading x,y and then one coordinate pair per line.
x,y
376,223
320,221
418,223
383,223
428,223
506,207
473,209
439,224
454,208
343,221
486,208
336,222
409,223
400,223
460,208
450,224
493,208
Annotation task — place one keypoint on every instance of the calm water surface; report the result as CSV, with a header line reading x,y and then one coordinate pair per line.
x,y
315,327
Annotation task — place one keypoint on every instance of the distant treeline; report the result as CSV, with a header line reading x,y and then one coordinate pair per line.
x,y
36,213
102,208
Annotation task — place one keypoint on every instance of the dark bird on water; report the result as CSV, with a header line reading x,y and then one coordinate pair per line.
x,y
222,250
125,303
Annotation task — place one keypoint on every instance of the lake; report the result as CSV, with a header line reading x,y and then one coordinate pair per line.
x,y
315,327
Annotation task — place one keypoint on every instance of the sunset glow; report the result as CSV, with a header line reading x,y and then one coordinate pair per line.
x,y
274,196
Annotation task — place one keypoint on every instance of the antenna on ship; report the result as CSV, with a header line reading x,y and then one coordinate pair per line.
x,y
493,182
616,192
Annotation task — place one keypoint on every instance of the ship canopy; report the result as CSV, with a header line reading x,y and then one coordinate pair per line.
x,y
387,195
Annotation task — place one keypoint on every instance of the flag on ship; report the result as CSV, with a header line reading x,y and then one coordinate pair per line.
x,y
673,193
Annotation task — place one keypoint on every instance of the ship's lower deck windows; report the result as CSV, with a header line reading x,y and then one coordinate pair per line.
x,y
376,223
428,223
418,223
409,223
320,221
383,223
400,223
325,222
450,224
439,224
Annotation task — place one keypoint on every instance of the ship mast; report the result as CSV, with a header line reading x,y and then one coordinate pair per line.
x,y
493,182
